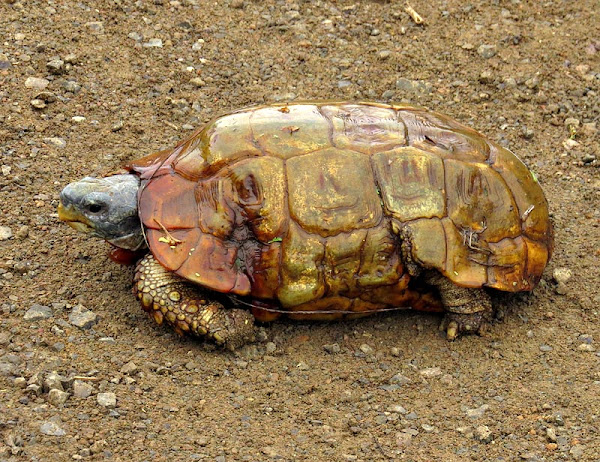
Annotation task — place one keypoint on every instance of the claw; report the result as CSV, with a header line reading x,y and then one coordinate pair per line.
x,y
452,330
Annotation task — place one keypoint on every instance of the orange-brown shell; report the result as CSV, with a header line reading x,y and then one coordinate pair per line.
x,y
308,203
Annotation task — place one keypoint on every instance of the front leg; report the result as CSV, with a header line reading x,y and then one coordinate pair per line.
x,y
467,310
188,308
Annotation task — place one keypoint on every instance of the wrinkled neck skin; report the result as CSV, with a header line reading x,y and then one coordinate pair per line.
x,y
105,208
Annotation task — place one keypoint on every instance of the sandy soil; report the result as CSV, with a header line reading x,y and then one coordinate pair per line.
x,y
123,79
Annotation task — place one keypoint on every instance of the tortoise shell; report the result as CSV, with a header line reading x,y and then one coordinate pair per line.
x,y
338,205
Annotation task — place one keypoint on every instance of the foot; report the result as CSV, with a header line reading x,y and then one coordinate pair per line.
x,y
457,324
188,308
468,311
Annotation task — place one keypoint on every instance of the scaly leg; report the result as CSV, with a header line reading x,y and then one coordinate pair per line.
x,y
188,308
468,311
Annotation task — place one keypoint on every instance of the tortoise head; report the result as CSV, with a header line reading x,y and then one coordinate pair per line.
x,y
105,208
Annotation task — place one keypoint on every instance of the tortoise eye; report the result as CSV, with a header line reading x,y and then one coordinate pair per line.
x,y
95,208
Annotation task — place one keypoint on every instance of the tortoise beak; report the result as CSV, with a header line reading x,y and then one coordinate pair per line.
x,y
74,219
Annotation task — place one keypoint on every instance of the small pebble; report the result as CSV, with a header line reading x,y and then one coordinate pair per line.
x,y
551,434
108,400
95,26
270,347
366,349
400,379
37,103
37,312
129,368
431,372
546,348
384,54
154,43
333,348
56,66
83,318
398,409
483,434
56,142
82,389
562,275
57,397
53,381
52,429
36,83
486,51
5,233
477,412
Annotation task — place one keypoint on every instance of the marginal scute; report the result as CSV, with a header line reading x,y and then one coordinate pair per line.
x,y
295,130
341,263
263,266
411,183
538,255
380,262
506,270
460,267
365,128
529,197
443,136
332,191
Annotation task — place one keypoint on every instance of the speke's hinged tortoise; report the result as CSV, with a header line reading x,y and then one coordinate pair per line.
x,y
321,210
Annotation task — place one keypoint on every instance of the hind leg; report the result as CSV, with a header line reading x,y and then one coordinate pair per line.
x,y
468,311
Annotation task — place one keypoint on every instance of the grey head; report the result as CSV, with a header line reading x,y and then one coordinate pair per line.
x,y
105,208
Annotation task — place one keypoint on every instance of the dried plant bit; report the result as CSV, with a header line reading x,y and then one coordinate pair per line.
x,y
169,239
416,17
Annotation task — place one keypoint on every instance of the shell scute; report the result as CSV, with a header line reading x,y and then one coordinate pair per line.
x,y
411,183
296,130
365,128
323,193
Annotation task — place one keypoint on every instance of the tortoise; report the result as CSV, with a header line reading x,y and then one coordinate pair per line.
x,y
321,210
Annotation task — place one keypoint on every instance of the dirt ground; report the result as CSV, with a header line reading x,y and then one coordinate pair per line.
x,y
85,86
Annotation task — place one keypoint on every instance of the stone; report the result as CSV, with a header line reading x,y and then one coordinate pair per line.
x,y
400,379
366,349
82,317
486,51
562,275
56,66
56,142
57,397
332,349
129,368
430,372
477,412
108,400
5,233
82,389
52,429
37,313
153,43
483,434
36,83
53,381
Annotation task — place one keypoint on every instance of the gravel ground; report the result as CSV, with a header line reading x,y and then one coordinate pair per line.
x,y
84,374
